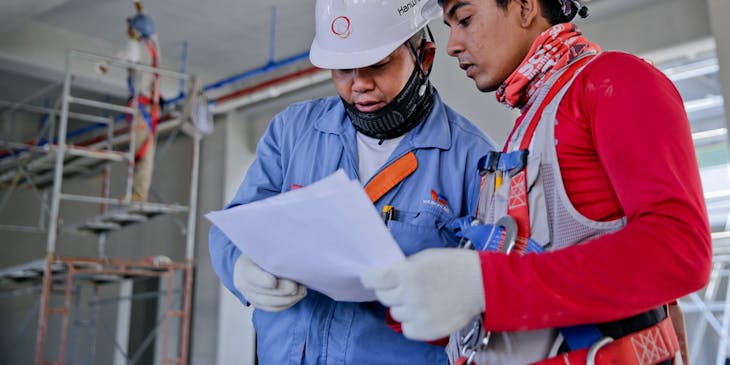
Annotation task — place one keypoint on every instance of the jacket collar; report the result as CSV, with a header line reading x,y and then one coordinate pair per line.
x,y
435,132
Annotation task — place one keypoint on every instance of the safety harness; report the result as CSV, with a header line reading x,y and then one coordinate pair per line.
x,y
648,338
153,116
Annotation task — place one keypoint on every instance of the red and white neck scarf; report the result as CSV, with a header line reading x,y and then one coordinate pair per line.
x,y
552,50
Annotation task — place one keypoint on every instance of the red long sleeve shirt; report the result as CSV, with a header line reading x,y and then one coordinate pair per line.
x,y
625,149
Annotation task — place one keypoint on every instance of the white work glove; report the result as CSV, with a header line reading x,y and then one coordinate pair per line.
x,y
433,293
264,290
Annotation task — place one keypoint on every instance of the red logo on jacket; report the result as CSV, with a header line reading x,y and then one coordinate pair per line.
x,y
438,198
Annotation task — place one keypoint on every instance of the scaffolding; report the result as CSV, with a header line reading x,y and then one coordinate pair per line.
x,y
694,68
44,164
712,305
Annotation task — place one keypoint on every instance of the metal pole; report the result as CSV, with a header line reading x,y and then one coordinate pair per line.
x,y
66,312
190,243
192,212
190,252
187,304
113,61
194,171
92,199
132,148
53,219
168,309
108,169
51,112
43,315
723,343
709,295
100,105
60,154
106,186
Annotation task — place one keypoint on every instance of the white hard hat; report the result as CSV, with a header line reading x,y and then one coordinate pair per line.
x,y
359,33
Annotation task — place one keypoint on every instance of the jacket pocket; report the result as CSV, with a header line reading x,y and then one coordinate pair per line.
x,y
416,231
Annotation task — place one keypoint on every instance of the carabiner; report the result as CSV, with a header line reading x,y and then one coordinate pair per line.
x,y
593,351
510,232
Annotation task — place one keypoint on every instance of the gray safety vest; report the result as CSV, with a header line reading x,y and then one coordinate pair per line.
x,y
554,223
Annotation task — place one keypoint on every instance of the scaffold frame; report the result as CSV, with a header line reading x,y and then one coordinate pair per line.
x,y
55,270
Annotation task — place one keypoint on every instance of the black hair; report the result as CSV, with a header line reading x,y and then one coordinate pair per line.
x,y
552,10
417,37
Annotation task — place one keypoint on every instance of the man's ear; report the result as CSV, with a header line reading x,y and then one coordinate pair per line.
x,y
429,53
530,11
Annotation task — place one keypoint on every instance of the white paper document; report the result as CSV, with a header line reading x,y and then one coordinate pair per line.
x,y
323,236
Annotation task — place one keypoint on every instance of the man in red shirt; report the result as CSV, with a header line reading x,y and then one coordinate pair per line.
x,y
599,184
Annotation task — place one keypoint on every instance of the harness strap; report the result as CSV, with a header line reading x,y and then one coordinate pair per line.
x,y
153,117
518,204
152,48
554,90
391,176
652,345
577,337
142,101
151,121
143,149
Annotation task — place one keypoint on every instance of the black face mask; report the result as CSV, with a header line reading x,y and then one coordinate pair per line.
x,y
408,109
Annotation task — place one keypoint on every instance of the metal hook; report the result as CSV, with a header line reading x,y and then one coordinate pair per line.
x,y
593,351
510,232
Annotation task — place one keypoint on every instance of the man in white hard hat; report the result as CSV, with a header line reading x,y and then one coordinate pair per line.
x,y
388,128
596,200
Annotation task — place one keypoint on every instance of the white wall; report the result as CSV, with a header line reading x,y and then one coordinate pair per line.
x,y
236,338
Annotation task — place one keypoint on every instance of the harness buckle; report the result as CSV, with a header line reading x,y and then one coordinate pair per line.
x,y
593,351
489,163
512,162
519,162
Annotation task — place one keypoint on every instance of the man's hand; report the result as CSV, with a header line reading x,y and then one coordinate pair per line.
x,y
433,293
264,290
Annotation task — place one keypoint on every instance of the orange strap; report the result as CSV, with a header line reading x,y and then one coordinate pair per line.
x,y
391,176
652,345
143,149
155,110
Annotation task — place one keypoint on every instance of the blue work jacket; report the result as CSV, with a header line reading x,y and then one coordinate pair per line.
x,y
309,141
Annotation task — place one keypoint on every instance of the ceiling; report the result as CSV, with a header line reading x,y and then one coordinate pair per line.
x,y
227,36
224,37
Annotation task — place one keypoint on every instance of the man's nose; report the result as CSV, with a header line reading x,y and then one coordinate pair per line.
x,y
454,46
362,81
